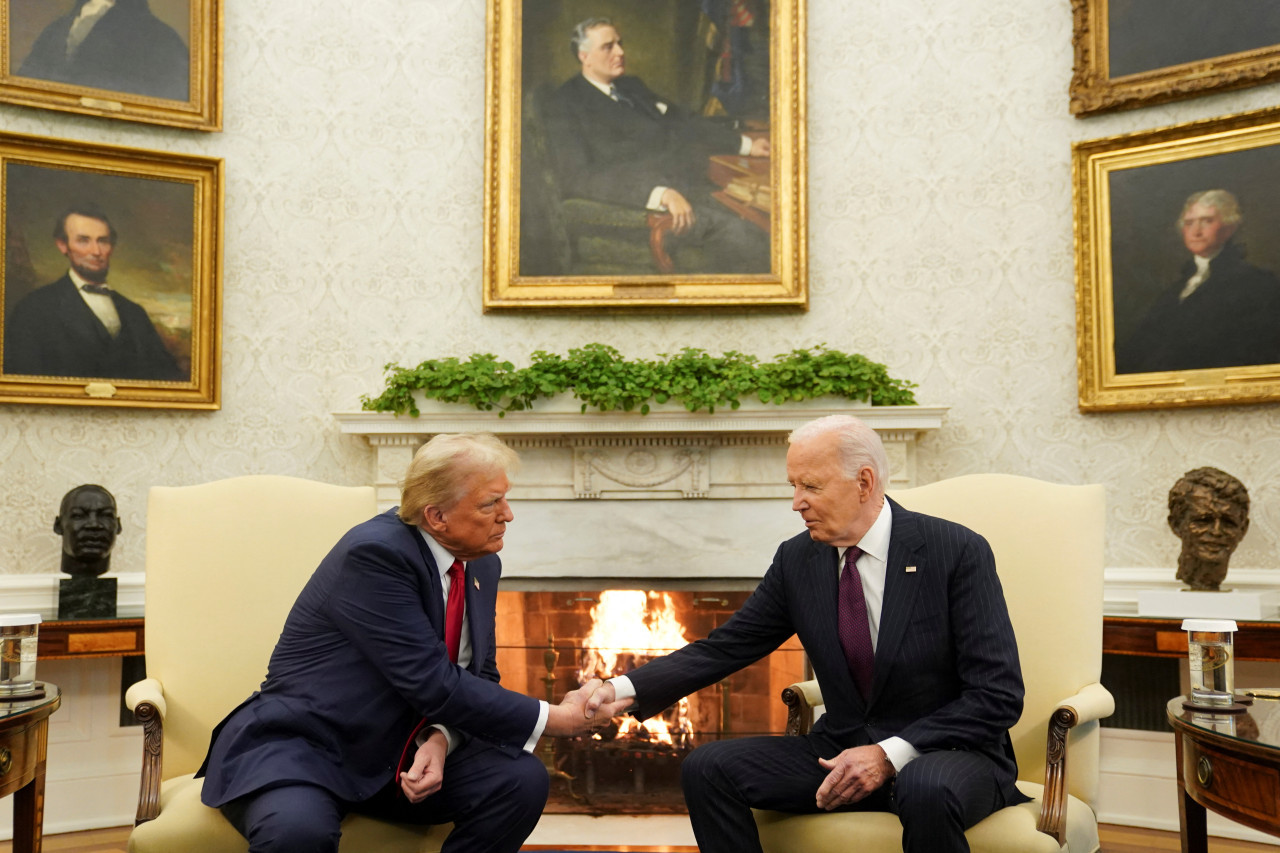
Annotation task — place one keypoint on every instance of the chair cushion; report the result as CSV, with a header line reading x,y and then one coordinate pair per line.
x,y
189,825
1011,830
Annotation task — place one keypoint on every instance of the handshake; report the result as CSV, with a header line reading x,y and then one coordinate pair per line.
x,y
591,705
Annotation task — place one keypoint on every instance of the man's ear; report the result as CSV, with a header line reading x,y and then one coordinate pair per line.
x,y
432,519
57,524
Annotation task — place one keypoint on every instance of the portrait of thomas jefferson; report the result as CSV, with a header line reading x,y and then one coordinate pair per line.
x,y
1220,311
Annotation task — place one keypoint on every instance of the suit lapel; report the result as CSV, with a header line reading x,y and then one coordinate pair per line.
x,y
901,588
434,603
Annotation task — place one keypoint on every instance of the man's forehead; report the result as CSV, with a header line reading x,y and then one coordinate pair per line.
x,y
603,34
1201,210
86,224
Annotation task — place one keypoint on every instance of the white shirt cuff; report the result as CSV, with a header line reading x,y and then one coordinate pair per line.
x,y
744,148
655,199
899,752
543,711
622,687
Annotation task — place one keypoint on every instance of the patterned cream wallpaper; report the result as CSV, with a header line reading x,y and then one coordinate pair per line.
x,y
941,244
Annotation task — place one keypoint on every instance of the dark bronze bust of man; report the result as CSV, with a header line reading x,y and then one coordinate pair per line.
x,y
88,524
1209,512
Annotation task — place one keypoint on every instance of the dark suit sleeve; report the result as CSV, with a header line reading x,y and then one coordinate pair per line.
x,y
986,657
760,626
377,606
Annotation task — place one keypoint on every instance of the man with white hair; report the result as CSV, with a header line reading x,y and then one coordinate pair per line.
x,y
396,627
904,621
1221,311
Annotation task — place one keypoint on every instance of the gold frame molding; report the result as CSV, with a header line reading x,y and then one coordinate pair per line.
x,y
96,167
1093,164
1094,90
786,286
202,110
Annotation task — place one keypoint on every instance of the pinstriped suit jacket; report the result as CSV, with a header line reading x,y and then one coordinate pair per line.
x,y
946,664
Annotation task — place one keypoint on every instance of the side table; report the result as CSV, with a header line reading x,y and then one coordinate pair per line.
x,y
1228,763
24,743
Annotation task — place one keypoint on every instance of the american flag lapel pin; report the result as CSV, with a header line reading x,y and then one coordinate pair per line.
x,y
910,569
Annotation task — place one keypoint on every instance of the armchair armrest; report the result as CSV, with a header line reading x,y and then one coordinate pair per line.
x,y
1092,703
801,698
146,700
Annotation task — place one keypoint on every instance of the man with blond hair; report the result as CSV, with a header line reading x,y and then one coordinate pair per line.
x,y
382,693
904,621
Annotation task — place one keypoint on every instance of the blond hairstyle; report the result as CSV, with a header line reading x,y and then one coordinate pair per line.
x,y
860,445
438,474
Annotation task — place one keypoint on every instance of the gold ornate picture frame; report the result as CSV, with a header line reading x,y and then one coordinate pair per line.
x,y
153,61
1177,293
1135,53
563,231
149,224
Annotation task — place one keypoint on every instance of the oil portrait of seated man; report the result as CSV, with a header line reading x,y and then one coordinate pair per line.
x,y
133,47
635,119
96,290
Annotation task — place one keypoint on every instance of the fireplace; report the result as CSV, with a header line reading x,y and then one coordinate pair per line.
x,y
551,640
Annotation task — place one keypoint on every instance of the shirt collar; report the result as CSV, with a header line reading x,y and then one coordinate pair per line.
x,y
603,87
875,542
442,557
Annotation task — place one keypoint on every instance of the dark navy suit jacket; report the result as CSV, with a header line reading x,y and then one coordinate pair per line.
x,y
360,661
946,664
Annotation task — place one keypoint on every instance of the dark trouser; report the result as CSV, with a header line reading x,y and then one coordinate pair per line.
x,y
730,244
936,797
493,800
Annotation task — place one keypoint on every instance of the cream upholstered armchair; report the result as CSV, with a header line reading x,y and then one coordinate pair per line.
x,y
1048,544
225,561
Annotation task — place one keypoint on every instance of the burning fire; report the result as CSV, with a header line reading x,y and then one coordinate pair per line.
x,y
627,628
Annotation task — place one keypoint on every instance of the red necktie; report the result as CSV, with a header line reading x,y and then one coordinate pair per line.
x,y
853,628
453,609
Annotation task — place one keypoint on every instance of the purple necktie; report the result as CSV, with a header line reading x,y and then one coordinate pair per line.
x,y
853,628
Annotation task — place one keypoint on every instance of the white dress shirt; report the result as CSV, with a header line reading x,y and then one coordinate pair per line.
x,y
443,561
100,304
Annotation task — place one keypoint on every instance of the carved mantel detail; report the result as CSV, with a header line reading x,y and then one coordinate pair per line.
x,y
669,454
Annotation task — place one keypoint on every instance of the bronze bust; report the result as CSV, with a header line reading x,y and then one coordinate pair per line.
x,y
88,524
1209,512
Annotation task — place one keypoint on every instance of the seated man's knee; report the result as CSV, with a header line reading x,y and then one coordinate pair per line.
x,y
293,833
704,764
528,782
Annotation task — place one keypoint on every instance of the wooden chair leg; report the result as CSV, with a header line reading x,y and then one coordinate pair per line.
x,y
659,226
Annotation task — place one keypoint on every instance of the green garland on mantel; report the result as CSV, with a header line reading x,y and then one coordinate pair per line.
x,y
600,377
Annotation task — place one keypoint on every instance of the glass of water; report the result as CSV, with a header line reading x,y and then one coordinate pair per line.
x,y
1211,658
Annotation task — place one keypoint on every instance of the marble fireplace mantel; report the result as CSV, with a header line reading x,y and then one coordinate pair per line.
x,y
615,494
